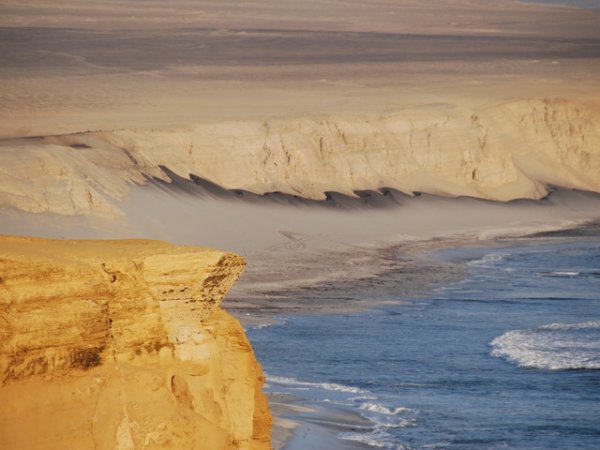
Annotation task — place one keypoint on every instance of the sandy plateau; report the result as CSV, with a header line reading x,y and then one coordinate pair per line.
x,y
307,136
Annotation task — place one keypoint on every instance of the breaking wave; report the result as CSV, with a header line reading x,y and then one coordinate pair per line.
x,y
383,417
489,260
555,346
326,386
378,438
377,408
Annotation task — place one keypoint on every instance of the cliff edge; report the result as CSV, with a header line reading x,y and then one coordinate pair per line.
x,y
503,151
123,345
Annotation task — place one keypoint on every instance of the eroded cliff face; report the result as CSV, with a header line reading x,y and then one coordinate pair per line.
x,y
123,345
502,151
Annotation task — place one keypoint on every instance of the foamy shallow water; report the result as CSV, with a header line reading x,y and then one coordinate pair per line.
x,y
556,346
507,358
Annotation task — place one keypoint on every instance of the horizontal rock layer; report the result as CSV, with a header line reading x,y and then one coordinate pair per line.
x,y
500,152
123,345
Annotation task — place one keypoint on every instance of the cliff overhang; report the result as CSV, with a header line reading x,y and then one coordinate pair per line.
x,y
123,344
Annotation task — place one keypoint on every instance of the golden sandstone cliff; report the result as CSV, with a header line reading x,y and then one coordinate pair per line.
x,y
501,151
123,345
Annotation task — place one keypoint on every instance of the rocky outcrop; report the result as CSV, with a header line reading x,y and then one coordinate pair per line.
x,y
123,345
500,152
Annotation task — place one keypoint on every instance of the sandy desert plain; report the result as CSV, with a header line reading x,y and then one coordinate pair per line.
x,y
324,142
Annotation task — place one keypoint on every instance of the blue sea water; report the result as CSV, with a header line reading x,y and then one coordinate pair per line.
x,y
586,4
509,357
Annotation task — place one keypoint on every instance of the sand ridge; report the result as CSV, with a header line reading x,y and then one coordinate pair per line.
x,y
502,151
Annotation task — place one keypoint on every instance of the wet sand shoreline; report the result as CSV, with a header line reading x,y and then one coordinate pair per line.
x,y
299,425
415,262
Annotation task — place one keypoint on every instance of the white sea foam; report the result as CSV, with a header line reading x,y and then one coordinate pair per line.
x,y
326,386
362,397
488,260
377,408
261,326
555,346
571,326
377,438
385,417
372,439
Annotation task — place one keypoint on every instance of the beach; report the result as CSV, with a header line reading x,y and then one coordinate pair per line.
x,y
416,171
383,423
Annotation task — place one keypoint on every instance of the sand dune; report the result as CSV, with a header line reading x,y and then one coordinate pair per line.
x,y
502,151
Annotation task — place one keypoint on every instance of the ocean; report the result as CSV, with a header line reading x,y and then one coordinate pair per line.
x,y
507,357
587,4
